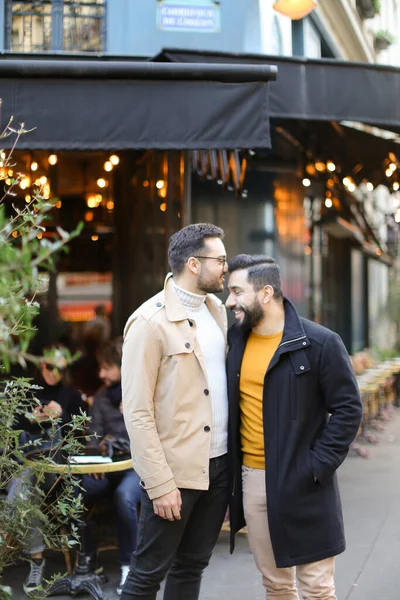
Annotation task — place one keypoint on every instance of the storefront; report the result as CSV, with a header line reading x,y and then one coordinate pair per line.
x,y
191,133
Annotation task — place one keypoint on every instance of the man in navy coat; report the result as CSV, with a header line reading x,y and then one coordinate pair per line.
x,y
294,410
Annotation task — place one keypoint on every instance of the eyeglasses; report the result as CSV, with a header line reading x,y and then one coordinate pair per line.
x,y
220,259
51,367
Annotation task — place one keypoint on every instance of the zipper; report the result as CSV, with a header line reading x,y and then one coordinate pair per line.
x,y
291,341
234,485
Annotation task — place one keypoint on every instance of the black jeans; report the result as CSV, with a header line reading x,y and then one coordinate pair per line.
x,y
184,547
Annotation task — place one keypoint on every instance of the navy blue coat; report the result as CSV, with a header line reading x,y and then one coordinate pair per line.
x,y
309,378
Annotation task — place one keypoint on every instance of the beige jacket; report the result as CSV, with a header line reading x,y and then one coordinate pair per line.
x,y
166,404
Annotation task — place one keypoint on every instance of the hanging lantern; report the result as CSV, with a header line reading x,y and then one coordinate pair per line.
x,y
294,9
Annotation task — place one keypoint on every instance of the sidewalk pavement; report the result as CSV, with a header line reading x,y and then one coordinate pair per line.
x,y
368,570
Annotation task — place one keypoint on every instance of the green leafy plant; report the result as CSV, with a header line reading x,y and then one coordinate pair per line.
x,y
384,39
377,6
25,255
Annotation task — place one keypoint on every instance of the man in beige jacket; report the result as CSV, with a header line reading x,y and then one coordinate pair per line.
x,y
175,405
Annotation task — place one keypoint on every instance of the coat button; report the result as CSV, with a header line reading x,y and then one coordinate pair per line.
x,y
304,343
206,392
159,304
301,368
187,345
207,428
204,471
237,374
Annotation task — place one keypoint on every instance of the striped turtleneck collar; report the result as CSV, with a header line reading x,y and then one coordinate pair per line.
x,y
188,299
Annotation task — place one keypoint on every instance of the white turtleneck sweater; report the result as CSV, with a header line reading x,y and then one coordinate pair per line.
x,y
212,344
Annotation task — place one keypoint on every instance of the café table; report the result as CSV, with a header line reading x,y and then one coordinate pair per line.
x,y
81,579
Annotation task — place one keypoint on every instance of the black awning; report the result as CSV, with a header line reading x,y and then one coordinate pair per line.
x,y
89,105
326,89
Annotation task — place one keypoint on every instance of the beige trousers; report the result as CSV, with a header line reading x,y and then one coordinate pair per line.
x,y
316,580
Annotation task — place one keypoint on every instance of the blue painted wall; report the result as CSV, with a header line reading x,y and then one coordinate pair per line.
x,y
132,29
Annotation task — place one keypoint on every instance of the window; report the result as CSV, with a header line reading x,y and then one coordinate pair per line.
x,y
55,26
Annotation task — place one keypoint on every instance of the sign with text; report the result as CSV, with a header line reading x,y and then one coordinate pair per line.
x,y
202,18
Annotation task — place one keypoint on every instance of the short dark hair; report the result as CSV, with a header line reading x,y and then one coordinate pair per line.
x,y
188,242
261,271
111,353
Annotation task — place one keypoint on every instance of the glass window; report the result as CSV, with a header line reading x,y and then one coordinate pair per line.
x,y
55,26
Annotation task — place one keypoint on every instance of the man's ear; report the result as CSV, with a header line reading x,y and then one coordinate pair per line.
x,y
268,294
193,265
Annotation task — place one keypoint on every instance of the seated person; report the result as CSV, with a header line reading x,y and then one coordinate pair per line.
x,y
58,400
107,421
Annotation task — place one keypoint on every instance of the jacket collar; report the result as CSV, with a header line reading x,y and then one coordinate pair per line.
x,y
175,309
293,330
293,336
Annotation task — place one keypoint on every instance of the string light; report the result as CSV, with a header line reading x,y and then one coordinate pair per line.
x,y
396,186
388,172
370,186
114,159
108,166
306,182
34,166
351,187
328,203
392,167
331,166
102,183
160,184
95,238
52,159
163,206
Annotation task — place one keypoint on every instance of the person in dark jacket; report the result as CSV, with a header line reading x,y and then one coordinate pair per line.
x,y
107,424
58,401
294,410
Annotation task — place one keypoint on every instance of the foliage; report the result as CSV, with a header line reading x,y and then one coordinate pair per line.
x,y
377,6
384,35
44,501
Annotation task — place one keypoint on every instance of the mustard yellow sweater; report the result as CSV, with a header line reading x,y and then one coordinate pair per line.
x,y
257,356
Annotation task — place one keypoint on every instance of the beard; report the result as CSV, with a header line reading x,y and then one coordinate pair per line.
x,y
252,315
210,284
